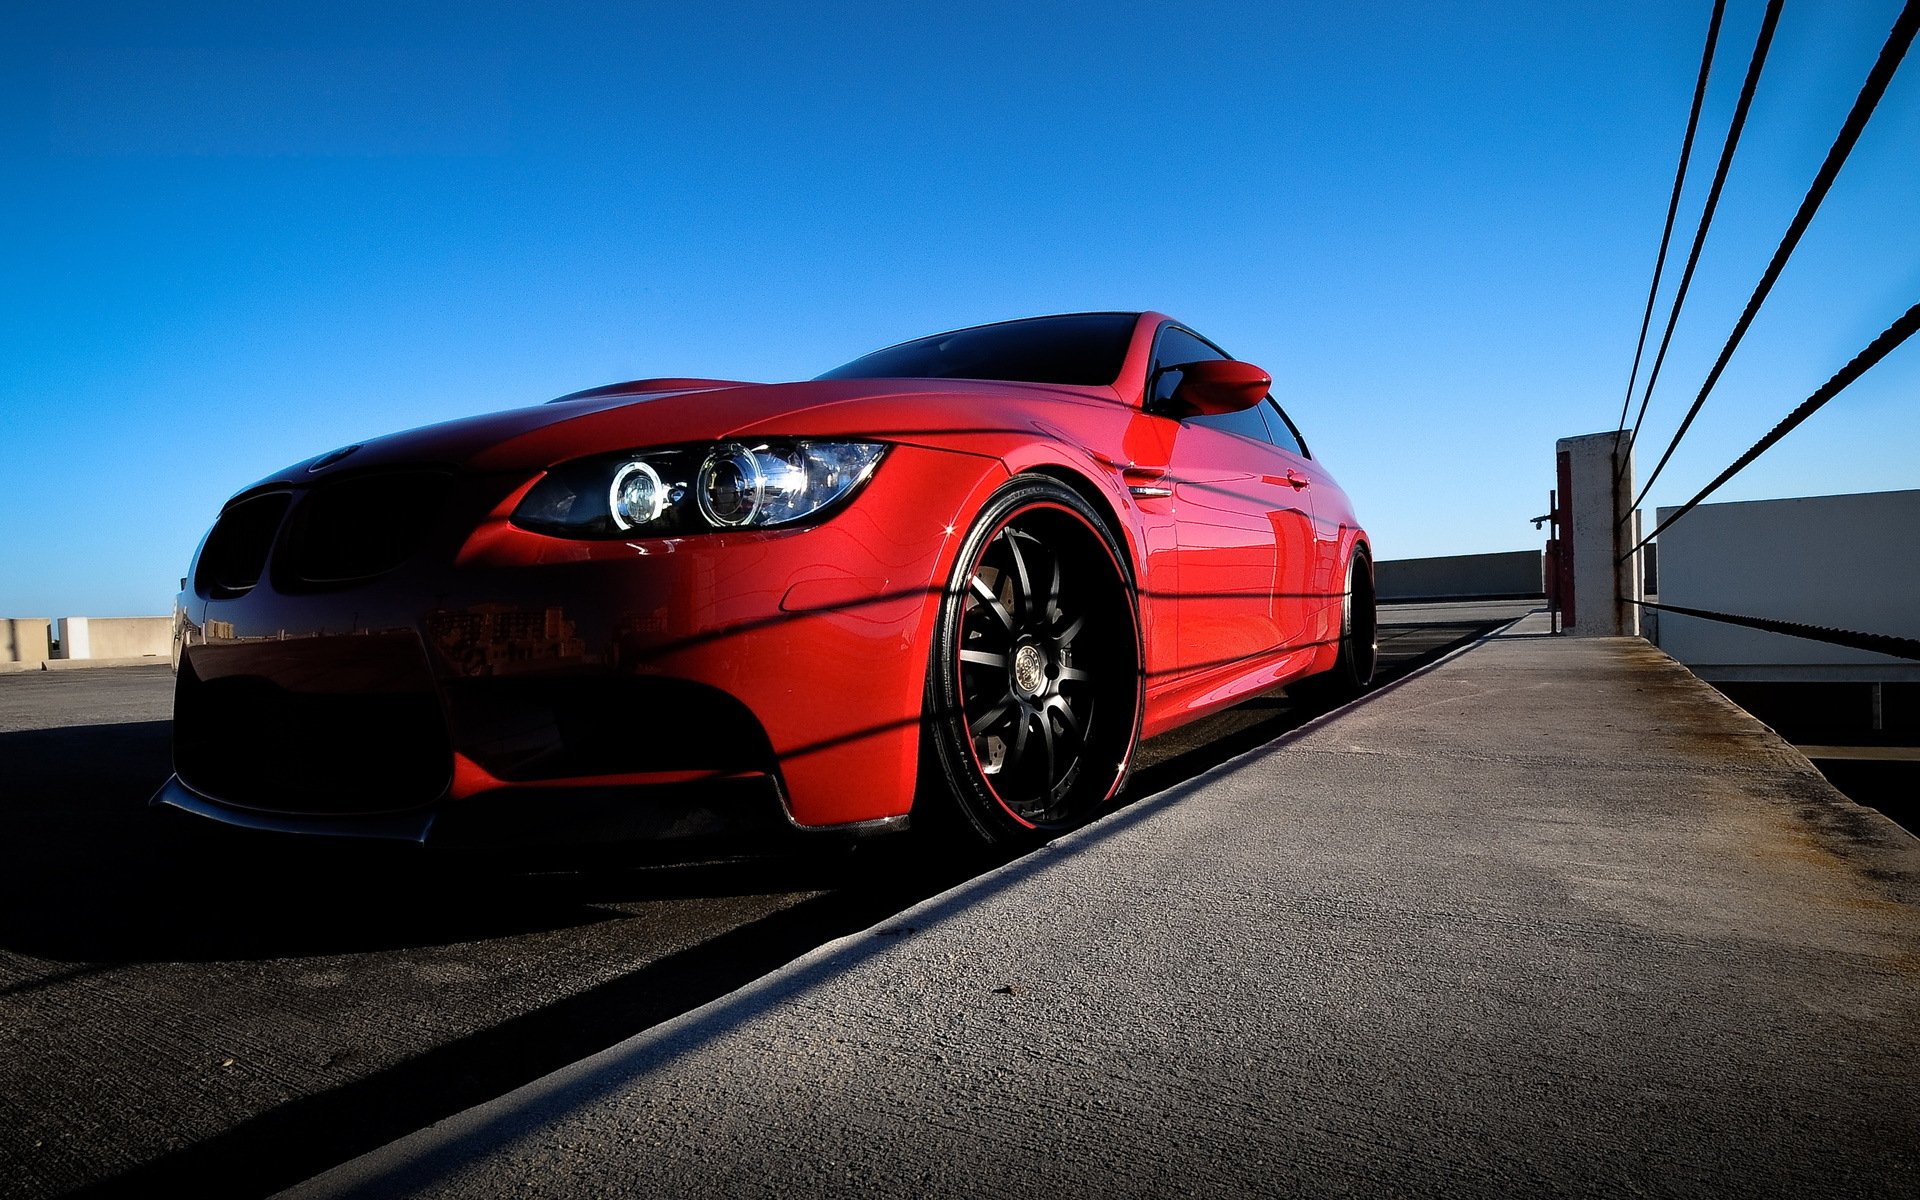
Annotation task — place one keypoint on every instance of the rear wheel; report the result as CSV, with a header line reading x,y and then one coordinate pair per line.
x,y
1359,646
1033,691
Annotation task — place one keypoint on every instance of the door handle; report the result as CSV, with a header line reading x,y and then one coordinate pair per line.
x,y
1298,481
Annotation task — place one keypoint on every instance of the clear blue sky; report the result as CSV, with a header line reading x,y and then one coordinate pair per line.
x,y
240,236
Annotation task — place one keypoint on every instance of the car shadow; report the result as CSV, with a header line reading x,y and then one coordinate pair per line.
x,y
89,873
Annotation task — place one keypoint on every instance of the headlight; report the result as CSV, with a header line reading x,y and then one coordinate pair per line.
x,y
690,489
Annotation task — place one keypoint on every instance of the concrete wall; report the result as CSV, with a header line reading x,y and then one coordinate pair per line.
x,y
1513,573
25,639
116,637
1845,562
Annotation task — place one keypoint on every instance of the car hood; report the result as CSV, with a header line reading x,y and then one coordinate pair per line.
x,y
606,420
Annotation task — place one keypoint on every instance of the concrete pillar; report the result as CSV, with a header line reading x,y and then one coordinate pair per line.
x,y
1598,492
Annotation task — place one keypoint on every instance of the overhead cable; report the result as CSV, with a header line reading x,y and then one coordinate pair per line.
x,y
1768,22
1877,643
1673,203
1898,40
1879,348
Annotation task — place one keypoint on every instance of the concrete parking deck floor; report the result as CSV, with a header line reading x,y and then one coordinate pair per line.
x,y
1554,918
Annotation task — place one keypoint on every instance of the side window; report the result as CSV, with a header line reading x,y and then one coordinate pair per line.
x,y
1248,423
1280,429
1177,346
1174,347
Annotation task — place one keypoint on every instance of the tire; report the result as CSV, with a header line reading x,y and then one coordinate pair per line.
x,y
1352,669
1034,680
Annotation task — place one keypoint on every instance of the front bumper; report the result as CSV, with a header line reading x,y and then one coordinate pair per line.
x,y
508,686
730,814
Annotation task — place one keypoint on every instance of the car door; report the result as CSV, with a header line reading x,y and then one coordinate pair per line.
x,y
1245,526
1309,546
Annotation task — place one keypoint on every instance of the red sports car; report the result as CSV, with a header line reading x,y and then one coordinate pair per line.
x,y
964,574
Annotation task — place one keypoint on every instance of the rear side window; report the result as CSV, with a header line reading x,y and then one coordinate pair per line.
x,y
1280,430
1248,423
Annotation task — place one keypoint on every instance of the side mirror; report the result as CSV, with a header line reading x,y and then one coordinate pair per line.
x,y
1220,385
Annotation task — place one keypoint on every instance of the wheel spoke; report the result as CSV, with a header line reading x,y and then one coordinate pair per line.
x,y
991,602
1022,581
1058,704
1074,675
1065,636
984,658
992,717
1018,748
1053,592
1046,734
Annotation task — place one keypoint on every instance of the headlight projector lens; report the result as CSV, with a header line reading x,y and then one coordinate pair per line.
x,y
638,496
730,487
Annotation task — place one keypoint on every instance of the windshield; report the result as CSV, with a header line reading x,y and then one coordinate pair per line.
x,y
1084,349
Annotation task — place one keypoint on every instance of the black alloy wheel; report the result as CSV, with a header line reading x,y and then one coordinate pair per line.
x,y
1359,652
1034,684
1360,622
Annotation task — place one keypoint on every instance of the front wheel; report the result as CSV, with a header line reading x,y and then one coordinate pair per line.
x,y
1033,689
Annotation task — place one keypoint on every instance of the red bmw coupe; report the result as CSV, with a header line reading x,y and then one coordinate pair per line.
x,y
964,574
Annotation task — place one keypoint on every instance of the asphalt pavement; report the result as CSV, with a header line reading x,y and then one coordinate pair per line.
x,y
188,1011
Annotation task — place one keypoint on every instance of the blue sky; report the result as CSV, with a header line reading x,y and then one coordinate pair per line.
x,y
237,237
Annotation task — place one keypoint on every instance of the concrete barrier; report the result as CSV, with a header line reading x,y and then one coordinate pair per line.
x,y
116,637
1843,562
1511,575
25,639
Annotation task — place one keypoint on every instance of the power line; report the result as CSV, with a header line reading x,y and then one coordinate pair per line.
x,y
1898,40
1761,43
1673,204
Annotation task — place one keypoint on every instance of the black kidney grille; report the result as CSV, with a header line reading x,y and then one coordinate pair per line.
x,y
236,550
356,528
